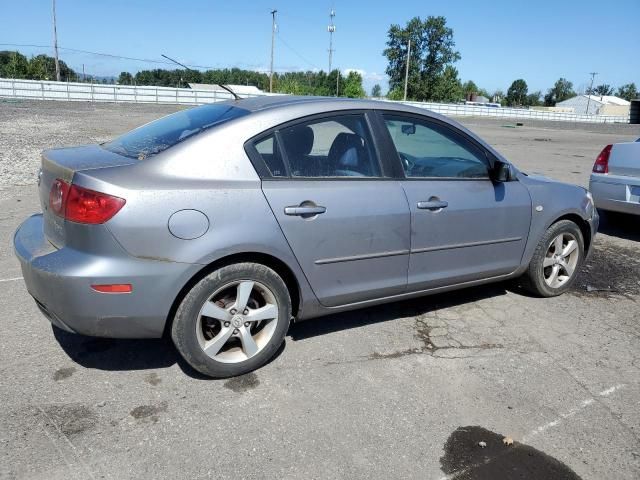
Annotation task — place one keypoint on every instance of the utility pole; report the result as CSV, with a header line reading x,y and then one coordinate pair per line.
x,y
593,75
331,28
406,72
273,39
338,82
84,78
55,42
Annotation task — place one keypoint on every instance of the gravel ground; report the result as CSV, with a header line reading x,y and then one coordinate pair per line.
x,y
406,390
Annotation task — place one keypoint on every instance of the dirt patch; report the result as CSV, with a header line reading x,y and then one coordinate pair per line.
x,y
63,373
70,419
150,412
152,379
243,383
466,459
611,270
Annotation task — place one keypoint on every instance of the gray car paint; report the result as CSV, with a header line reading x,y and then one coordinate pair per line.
x,y
619,189
211,173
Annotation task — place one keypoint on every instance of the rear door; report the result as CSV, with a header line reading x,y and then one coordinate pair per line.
x,y
464,226
345,218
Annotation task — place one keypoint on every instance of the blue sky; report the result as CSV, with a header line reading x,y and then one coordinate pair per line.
x,y
499,41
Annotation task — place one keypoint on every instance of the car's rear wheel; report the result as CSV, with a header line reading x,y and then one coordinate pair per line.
x,y
233,320
556,260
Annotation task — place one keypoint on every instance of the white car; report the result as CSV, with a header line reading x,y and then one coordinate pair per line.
x,y
615,181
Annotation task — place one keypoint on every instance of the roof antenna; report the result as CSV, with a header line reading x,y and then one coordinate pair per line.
x,y
224,87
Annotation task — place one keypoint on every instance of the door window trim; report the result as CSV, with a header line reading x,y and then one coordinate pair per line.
x,y
392,152
387,169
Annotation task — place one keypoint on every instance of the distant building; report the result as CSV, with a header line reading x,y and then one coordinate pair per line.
x,y
239,89
597,104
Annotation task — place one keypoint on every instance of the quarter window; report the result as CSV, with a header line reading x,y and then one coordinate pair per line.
x,y
270,153
429,150
339,146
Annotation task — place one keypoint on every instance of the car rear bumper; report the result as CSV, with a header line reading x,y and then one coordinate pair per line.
x,y
60,282
616,193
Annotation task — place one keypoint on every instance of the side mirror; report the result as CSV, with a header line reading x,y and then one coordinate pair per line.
x,y
408,129
502,172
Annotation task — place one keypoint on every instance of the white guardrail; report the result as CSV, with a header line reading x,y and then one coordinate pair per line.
x,y
97,92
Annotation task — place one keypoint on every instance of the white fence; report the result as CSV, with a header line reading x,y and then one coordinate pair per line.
x,y
46,90
455,110
97,92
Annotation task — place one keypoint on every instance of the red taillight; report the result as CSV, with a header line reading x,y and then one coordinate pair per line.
x,y
602,162
113,288
81,205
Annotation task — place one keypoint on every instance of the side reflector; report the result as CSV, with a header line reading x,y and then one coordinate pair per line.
x,y
113,288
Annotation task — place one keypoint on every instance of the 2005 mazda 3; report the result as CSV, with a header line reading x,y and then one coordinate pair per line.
x,y
221,224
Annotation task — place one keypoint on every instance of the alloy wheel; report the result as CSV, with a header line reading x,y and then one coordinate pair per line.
x,y
561,260
237,321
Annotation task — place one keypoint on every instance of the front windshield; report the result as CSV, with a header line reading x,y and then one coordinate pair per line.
x,y
166,132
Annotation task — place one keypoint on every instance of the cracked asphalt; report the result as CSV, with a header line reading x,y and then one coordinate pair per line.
x,y
405,390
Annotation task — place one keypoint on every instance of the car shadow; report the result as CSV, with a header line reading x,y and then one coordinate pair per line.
x,y
620,225
392,311
116,354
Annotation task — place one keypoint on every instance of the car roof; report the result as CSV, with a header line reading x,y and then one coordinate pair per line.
x,y
274,102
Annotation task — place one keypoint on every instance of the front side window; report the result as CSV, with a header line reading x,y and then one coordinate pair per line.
x,y
338,146
429,150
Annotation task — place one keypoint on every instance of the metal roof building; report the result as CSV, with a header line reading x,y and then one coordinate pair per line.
x,y
597,105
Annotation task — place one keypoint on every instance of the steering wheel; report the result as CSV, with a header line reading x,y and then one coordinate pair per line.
x,y
407,162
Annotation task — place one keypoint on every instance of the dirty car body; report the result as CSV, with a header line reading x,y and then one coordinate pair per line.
x,y
351,203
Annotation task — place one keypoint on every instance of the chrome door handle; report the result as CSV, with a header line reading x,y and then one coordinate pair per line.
x,y
303,211
433,205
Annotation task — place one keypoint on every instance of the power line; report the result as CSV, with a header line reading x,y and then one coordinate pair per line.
x,y
298,54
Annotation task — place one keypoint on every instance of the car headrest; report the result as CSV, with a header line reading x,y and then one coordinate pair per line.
x,y
298,140
342,144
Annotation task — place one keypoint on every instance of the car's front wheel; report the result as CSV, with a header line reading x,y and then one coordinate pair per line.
x,y
233,320
556,260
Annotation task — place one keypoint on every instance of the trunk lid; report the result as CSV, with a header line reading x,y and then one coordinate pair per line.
x,y
62,163
625,159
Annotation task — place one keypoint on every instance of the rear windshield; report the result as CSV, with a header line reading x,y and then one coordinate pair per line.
x,y
166,132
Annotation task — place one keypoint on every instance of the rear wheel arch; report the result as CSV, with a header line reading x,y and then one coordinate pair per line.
x,y
277,265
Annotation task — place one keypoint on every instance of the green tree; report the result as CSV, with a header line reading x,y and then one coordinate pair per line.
x,y
13,65
125,78
533,99
448,88
353,86
432,49
628,91
469,87
604,89
517,93
43,67
561,90
376,91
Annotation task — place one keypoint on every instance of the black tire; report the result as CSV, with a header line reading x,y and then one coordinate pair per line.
x,y
533,280
183,329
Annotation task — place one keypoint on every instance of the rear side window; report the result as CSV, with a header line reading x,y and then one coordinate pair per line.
x,y
155,137
337,146
429,150
270,153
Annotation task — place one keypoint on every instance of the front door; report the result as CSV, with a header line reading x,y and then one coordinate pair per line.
x,y
464,226
346,222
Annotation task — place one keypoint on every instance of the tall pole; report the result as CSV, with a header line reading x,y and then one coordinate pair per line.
x,y
273,39
337,82
593,75
331,28
406,72
55,43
